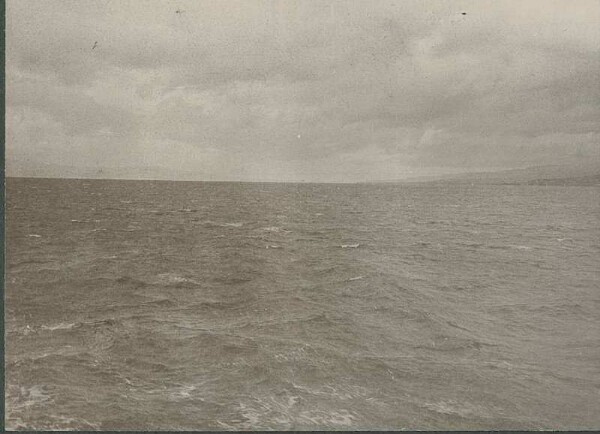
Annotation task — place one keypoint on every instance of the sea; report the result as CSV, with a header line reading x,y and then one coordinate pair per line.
x,y
158,305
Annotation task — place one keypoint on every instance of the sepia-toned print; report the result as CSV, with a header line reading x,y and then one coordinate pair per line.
x,y
301,215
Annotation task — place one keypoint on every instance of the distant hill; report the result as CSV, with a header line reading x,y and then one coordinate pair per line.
x,y
584,173
582,181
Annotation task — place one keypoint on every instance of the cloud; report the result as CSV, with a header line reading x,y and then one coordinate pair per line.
x,y
301,90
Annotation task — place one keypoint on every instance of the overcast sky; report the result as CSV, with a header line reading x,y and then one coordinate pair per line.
x,y
299,90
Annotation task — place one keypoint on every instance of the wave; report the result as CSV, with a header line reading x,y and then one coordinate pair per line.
x,y
23,330
274,229
130,281
322,320
288,411
174,279
453,344
29,329
471,244
509,247
162,279
223,225
221,305
232,280
48,423
450,408
352,279
60,326
20,398
159,302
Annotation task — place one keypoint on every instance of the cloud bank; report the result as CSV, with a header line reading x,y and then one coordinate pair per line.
x,y
299,90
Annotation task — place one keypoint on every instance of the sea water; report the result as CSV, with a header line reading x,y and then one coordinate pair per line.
x,y
191,305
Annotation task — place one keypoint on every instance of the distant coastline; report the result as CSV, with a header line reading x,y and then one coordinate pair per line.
x,y
582,174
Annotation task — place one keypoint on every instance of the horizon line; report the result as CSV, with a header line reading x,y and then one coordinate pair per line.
x,y
219,181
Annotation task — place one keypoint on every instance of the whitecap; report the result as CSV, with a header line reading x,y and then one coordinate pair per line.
x,y
450,408
27,329
336,418
61,326
170,278
350,246
34,236
233,225
271,246
226,426
272,229
275,229
182,392
32,396
356,278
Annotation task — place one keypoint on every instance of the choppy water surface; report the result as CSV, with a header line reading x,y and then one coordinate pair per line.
x,y
172,305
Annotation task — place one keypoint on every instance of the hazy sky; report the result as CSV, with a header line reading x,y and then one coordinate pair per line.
x,y
299,90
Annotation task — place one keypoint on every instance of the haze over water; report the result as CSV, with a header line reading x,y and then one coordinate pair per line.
x,y
190,305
